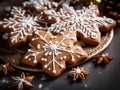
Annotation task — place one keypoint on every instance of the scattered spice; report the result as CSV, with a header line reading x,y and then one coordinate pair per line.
x,y
78,73
23,82
103,58
5,68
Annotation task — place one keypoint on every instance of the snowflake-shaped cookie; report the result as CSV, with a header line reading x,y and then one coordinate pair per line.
x,y
40,5
53,51
85,22
21,26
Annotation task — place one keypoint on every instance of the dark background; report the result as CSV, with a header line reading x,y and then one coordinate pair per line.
x,y
102,77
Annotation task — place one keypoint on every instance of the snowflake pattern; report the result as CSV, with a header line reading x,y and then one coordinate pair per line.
x,y
20,25
54,52
85,22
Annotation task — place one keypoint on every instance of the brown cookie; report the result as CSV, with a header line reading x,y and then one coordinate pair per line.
x,y
40,5
85,22
20,25
53,51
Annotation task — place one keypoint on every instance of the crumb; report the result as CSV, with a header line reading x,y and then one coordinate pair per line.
x,y
40,86
85,85
4,81
99,72
43,78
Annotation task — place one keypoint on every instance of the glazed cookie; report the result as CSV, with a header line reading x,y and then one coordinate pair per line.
x,y
40,5
85,22
20,26
66,12
53,51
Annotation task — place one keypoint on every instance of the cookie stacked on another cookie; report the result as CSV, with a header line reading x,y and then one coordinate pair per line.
x,y
53,31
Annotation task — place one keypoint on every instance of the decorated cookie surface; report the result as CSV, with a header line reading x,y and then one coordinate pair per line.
x,y
20,25
53,51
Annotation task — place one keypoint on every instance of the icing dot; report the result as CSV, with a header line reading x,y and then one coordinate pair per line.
x,y
21,37
64,57
45,59
56,54
52,37
38,46
62,44
45,66
73,59
46,54
33,39
54,71
42,59
49,17
45,50
50,53
36,32
50,42
45,8
49,69
82,53
61,58
62,33
8,26
62,66
26,57
29,59
56,42
33,54
78,56
78,48
0,22
29,50
69,46
34,61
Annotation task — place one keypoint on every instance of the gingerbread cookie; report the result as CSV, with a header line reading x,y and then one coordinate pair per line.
x,y
40,5
20,26
85,22
53,51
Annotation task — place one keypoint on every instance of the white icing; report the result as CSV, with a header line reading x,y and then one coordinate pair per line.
x,y
84,21
25,24
39,4
52,49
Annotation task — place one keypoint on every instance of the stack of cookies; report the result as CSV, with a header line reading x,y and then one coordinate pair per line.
x,y
52,30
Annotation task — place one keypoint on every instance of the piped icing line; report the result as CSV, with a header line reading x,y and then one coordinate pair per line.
x,y
84,21
41,4
21,24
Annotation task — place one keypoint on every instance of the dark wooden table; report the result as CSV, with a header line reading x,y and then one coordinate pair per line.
x,y
101,77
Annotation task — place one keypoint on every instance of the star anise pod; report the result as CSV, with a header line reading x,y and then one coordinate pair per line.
x,y
22,82
103,58
78,73
5,68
